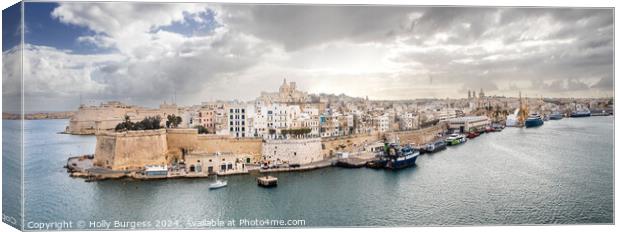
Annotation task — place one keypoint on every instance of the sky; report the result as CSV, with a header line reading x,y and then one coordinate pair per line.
x,y
147,53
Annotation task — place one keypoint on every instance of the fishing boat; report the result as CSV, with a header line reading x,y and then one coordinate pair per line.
x,y
534,120
455,139
218,184
400,156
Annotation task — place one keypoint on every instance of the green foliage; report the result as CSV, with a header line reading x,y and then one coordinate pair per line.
x,y
296,131
173,121
202,129
148,123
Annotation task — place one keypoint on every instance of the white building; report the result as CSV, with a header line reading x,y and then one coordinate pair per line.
x,y
383,123
237,121
469,123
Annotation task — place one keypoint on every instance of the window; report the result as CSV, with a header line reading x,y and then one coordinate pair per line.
x,y
242,110
231,111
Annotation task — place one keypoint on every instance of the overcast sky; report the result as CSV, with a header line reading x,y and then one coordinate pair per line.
x,y
142,53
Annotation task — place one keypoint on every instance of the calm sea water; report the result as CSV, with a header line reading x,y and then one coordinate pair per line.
x,y
560,173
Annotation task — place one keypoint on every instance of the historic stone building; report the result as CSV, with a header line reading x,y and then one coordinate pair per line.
x,y
92,119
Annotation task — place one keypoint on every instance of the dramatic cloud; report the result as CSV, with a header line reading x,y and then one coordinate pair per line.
x,y
201,52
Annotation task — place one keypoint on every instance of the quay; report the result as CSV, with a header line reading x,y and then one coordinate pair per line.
x,y
267,181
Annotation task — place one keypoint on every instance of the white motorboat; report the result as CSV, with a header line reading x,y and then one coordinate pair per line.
x,y
218,184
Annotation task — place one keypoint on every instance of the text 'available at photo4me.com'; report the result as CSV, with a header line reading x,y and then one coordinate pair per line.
x,y
204,223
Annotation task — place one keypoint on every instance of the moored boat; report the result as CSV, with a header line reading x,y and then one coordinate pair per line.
x,y
218,184
534,120
472,134
555,116
435,146
400,156
580,113
455,139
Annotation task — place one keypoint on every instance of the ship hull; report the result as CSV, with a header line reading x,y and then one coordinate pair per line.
x,y
580,115
533,123
399,164
555,117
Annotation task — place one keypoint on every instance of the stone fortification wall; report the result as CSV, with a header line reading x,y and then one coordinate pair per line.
x,y
351,143
292,151
131,149
418,137
190,141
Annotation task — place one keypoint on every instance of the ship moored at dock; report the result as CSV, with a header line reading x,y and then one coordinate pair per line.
x,y
400,156
455,139
534,120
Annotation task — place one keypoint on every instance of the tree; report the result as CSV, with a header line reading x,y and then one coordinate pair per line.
x,y
173,121
148,123
202,129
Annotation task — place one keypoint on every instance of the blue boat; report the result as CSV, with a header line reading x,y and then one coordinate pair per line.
x,y
555,116
400,156
534,120
580,113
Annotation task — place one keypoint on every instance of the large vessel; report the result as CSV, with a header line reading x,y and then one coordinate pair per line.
x,y
580,113
555,116
534,120
400,156
455,139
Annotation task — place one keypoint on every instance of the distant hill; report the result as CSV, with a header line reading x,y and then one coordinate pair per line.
x,y
39,115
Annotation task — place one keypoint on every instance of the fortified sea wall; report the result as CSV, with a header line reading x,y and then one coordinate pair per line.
x,y
189,141
131,149
418,137
293,151
351,143
135,149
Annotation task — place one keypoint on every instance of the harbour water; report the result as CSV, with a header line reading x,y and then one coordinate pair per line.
x,y
560,173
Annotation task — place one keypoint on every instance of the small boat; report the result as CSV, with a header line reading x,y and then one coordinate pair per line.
x,y
472,134
455,139
377,163
555,116
580,113
218,184
267,181
497,127
435,147
534,120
